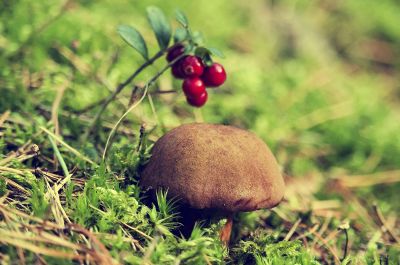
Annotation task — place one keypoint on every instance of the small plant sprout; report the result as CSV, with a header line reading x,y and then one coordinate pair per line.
x,y
215,170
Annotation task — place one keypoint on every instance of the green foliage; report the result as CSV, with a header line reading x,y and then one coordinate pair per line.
x,y
180,35
200,248
216,52
181,18
134,39
160,25
265,249
38,201
126,160
164,219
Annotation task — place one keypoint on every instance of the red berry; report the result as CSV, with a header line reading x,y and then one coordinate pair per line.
x,y
198,101
214,75
192,66
175,52
176,70
193,87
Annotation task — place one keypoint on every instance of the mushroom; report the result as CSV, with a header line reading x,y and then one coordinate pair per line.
x,y
216,169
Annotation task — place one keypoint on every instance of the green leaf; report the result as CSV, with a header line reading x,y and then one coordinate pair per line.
x,y
153,214
198,38
181,18
134,39
160,25
180,35
189,48
201,51
204,54
216,52
207,60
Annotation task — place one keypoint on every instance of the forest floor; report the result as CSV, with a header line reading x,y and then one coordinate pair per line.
x,y
317,81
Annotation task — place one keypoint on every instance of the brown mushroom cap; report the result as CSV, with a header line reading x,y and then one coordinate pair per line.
x,y
215,167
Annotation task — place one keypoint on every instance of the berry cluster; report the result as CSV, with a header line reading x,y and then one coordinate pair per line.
x,y
197,76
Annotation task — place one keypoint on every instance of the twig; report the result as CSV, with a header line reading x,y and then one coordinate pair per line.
x,y
325,243
41,260
292,230
137,231
21,151
5,210
356,181
55,177
44,238
383,224
21,256
11,182
134,242
95,252
15,185
40,250
104,253
163,92
354,202
133,96
309,232
141,137
55,205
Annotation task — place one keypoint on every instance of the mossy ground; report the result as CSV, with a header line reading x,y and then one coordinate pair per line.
x,y
317,80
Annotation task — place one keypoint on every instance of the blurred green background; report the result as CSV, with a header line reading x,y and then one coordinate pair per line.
x,y
317,80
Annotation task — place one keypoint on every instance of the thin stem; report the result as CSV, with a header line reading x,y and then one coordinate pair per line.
x,y
163,92
153,109
141,137
118,90
146,87
59,157
346,245
344,227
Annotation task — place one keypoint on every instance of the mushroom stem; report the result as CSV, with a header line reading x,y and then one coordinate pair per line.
x,y
225,234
